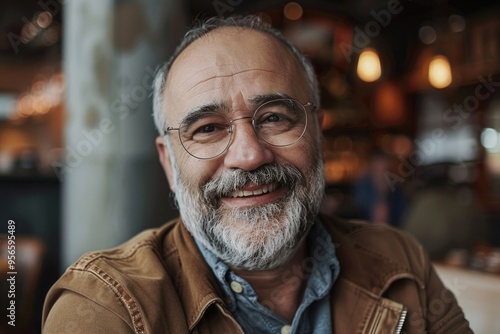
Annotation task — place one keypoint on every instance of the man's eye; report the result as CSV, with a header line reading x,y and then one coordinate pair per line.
x,y
206,129
209,132
273,118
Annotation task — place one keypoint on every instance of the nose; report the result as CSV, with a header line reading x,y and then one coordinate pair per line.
x,y
247,151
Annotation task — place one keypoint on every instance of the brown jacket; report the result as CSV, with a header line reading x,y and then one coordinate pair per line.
x,y
158,282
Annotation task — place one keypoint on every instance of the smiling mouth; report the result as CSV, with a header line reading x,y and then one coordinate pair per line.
x,y
261,190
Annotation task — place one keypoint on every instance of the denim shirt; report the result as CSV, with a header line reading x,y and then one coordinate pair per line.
x,y
312,316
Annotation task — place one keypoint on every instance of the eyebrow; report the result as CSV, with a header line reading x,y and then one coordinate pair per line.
x,y
197,112
260,99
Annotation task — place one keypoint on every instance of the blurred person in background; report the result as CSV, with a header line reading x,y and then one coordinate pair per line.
x,y
374,198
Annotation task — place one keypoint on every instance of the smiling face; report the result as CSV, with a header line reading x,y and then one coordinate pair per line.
x,y
253,204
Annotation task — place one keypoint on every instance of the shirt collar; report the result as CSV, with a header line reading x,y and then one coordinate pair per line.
x,y
321,263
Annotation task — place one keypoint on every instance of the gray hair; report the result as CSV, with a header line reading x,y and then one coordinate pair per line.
x,y
202,28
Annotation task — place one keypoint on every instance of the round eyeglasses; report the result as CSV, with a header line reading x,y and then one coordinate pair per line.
x,y
207,134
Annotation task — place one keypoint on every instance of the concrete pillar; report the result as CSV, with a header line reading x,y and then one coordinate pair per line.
x,y
113,186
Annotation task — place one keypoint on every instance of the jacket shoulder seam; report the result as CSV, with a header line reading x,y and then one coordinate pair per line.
x,y
87,260
123,295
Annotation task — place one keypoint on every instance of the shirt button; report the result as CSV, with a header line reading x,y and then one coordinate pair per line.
x,y
286,329
236,287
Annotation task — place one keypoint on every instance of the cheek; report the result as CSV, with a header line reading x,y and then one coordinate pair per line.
x,y
310,147
304,154
195,172
312,155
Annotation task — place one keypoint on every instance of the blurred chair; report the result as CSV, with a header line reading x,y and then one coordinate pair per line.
x,y
28,265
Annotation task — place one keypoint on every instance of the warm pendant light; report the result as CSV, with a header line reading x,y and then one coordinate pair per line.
x,y
440,72
369,68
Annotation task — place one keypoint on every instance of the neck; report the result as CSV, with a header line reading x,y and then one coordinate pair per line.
x,y
281,289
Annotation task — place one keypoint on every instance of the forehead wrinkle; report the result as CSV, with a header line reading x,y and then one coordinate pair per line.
x,y
230,75
195,74
205,87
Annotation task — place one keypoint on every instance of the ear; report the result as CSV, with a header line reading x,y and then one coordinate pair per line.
x,y
165,162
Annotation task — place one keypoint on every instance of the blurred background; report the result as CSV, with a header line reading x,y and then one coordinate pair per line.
x,y
410,91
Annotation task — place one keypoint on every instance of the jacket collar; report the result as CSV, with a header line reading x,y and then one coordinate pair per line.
x,y
196,285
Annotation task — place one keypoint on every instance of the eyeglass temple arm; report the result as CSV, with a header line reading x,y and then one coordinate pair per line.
x,y
169,128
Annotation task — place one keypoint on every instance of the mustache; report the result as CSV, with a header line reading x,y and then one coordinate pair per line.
x,y
232,180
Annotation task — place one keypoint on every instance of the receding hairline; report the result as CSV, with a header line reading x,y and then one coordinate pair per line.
x,y
235,30
241,29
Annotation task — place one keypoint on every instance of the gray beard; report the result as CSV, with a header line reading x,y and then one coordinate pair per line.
x,y
252,238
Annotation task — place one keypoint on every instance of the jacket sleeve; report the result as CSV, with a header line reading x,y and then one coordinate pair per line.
x,y
74,313
439,311
444,315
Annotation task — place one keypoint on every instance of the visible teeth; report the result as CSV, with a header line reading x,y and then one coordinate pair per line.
x,y
264,190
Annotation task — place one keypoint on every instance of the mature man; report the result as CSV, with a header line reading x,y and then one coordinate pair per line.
x,y
237,107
